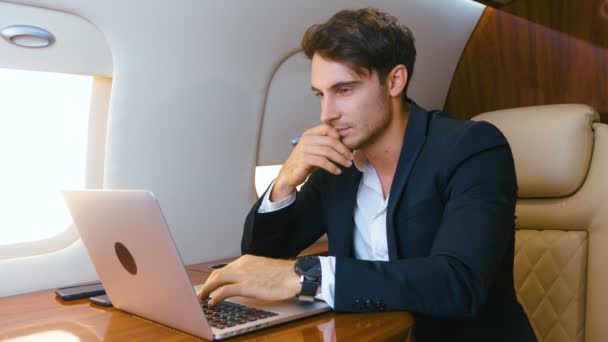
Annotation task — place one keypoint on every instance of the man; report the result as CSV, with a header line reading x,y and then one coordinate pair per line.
x,y
418,207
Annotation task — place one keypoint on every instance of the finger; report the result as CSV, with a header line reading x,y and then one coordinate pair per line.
x,y
323,130
322,162
336,144
224,292
215,280
330,131
329,153
204,291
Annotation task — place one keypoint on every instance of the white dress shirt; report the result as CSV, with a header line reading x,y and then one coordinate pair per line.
x,y
369,238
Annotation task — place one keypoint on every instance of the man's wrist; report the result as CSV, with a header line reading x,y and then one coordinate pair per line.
x,y
293,280
281,191
308,268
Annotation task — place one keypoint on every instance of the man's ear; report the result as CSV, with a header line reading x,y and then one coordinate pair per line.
x,y
397,79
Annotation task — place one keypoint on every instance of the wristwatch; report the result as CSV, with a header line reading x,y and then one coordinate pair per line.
x,y
309,269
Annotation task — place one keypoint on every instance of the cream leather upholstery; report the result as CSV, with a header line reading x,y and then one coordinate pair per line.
x,y
553,146
550,279
561,248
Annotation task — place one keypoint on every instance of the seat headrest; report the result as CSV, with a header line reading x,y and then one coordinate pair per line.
x,y
551,146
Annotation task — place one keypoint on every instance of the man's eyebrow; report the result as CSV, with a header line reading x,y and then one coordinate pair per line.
x,y
338,85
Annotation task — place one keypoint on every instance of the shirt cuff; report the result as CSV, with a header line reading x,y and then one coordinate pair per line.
x,y
328,280
268,207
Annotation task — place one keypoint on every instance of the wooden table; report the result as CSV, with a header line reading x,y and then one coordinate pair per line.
x,y
41,316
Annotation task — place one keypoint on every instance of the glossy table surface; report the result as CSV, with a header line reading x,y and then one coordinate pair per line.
x,y
41,316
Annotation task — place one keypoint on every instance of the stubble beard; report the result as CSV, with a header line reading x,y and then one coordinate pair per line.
x,y
376,132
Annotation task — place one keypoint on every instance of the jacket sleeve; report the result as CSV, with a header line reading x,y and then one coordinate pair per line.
x,y
286,232
475,234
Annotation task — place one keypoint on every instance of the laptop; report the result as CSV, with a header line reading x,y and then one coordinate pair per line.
x,y
129,242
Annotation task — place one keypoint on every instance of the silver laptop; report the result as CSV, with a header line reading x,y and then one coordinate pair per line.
x,y
142,272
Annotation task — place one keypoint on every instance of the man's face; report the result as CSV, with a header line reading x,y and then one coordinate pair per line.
x,y
356,105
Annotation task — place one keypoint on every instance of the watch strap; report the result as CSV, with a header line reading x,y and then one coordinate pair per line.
x,y
308,268
309,289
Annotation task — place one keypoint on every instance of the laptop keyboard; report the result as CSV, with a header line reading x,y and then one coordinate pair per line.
x,y
226,314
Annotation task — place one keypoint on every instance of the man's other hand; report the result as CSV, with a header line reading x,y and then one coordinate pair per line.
x,y
252,276
319,147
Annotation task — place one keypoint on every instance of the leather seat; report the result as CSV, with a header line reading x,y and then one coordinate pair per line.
x,y
561,248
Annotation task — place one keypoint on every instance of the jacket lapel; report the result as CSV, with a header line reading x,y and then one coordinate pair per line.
x,y
415,136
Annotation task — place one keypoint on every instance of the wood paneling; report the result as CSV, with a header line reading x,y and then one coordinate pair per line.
x,y
520,60
42,316
583,19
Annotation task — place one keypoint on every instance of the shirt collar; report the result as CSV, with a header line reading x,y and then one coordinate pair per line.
x,y
370,176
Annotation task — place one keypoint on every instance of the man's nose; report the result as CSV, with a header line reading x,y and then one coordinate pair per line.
x,y
328,113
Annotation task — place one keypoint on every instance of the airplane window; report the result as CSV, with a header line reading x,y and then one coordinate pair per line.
x,y
264,175
43,143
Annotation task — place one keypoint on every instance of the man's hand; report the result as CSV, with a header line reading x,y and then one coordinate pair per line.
x,y
252,276
319,147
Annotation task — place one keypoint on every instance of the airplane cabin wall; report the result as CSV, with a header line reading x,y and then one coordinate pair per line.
x,y
193,89
80,49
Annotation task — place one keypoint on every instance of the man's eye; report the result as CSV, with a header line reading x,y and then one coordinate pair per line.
x,y
318,94
344,91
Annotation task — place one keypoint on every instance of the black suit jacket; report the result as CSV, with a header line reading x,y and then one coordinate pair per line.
x,y
450,230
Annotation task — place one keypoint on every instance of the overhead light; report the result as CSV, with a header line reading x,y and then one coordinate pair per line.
x,y
27,36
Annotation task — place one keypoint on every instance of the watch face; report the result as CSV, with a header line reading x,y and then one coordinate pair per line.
x,y
309,266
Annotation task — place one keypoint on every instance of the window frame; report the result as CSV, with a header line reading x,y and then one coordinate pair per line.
x,y
94,174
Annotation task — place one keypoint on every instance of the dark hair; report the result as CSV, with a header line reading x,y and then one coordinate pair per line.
x,y
367,39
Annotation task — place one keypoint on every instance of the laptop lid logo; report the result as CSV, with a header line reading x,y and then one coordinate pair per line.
x,y
125,258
